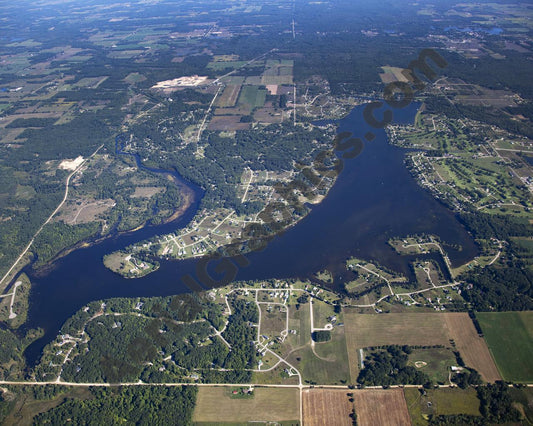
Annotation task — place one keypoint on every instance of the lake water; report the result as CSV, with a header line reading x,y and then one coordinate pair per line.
x,y
375,198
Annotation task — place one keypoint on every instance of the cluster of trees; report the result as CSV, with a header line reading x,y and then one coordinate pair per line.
x,y
56,236
10,347
140,405
500,289
321,335
126,347
240,335
389,367
487,226
495,287
32,122
220,169
466,378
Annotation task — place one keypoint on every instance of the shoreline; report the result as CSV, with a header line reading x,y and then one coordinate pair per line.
x,y
188,198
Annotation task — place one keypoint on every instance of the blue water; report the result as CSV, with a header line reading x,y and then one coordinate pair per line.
x,y
375,198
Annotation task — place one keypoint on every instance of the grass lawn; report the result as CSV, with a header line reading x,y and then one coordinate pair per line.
x,y
509,336
329,365
438,363
440,401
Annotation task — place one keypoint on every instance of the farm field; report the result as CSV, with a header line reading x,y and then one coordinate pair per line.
x,y
229,96
471,346
381,407
326,407
509,338
442,401
364,330
215,405
252,96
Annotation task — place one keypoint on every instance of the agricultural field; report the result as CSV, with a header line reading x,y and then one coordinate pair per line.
x,y
323,407
395,329
471,346
509,336
381,407
441,401
391,74
223,65
365,330
229,96
252,97
216,405
420,329
227,123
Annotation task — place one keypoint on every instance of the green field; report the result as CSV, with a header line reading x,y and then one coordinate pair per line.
x,y
330,364
438,362
252,96
509,336
222,65
442,401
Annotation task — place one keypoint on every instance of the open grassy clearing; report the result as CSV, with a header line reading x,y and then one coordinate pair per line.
x,y
323,313
381,407
328,364
326,407
273,319
440,401
215,404
276,376
435,362
509,336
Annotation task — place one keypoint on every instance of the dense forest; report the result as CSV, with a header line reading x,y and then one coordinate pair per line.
x,y
172,339
496,287
113,406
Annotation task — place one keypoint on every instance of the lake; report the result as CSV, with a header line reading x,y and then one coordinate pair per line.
x,y
375,198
